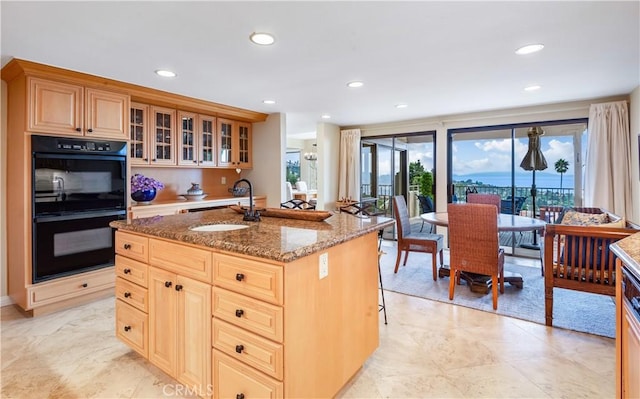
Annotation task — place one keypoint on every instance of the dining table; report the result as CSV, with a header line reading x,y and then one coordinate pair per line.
x,y
477,282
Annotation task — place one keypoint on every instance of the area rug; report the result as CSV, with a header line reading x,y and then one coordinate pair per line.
x,y
573,310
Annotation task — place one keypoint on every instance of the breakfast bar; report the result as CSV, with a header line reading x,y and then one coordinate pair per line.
x,y
230,308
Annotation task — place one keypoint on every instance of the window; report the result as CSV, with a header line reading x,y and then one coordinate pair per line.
x,y
292,163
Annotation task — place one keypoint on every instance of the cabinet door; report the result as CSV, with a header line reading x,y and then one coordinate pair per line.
x,y
162,320
187,147
225,143
55,107
194,332
106,114
207,140
243,139
630,331
163,136
139,134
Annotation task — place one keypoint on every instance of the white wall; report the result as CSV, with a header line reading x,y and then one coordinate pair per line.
x,y
269,149
3,184
328,145
634,116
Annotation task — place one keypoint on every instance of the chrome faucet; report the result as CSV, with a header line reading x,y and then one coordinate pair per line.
x,y
250,214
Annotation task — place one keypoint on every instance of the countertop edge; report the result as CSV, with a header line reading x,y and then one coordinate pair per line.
x,y
628,250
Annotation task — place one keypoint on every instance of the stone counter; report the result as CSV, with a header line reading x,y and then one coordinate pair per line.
x,y
278,239
628,250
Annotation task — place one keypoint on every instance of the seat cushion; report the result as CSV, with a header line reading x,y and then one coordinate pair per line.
x,y
438,238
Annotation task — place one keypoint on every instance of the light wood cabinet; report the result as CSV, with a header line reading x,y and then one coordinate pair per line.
x,y
180,326
139,146
163,136
196,134
630,340
69,109
234,144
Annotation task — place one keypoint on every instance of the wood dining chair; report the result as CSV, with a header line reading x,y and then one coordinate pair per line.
x,y
474,246
416,242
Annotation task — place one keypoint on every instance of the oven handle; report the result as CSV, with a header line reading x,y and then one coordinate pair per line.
x,y
75,216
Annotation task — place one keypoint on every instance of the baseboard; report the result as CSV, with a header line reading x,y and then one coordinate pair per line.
x,y
5,301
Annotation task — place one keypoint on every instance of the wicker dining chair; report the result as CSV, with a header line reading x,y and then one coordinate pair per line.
x,y
494,199
416,242
474,246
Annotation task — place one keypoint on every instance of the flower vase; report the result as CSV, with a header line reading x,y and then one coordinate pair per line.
x,y
144,197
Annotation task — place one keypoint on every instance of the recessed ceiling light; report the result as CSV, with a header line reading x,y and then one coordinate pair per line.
x,y
269,101
262,38
166,74
402,105
325,116
355,83
528,49
532,88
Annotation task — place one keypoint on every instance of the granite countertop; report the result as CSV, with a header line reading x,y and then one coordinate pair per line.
x,y
628,250
272,238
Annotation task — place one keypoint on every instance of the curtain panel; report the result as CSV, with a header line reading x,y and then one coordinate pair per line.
x,y
349,166
607,175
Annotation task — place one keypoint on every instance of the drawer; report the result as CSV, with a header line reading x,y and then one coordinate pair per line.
x,y
132,294
232,379
132,246
132,270
132,328
259,317
70,287
181,259
248,277
249,348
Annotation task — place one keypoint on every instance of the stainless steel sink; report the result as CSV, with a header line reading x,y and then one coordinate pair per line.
x,y
219,227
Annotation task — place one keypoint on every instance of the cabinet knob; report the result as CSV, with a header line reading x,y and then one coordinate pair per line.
x,y
240,396
153,160
239,276
85,285
127,246
167,284
194,161
145,159
239,348
127,295
78,129
178,287
90,130
239,312
127,328
127,271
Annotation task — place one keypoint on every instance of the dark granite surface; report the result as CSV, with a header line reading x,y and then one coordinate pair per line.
x,y
628,249
277,239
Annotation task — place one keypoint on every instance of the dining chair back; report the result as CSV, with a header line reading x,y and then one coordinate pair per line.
x,y
417,242
288,191
474,245
298,204
493,199
426,206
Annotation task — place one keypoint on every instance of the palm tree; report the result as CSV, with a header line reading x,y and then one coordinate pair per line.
x,y
562,167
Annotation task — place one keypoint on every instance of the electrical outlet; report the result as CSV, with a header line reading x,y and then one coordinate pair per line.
x,y
323,265
223,180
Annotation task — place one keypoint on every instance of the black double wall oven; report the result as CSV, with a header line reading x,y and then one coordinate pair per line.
x,y
78,187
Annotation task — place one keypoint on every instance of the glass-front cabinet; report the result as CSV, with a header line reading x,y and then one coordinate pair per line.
x,y
139,134
163,128
234,144
197,139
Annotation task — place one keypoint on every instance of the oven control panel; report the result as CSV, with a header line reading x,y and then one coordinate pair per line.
x,y
47,144
84,146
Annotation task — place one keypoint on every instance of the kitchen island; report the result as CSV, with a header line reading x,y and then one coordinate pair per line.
x,y
282,308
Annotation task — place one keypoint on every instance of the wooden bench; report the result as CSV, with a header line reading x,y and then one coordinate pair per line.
x,y
578,257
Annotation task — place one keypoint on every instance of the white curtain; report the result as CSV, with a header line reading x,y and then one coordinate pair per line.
x,y
349,166
607,171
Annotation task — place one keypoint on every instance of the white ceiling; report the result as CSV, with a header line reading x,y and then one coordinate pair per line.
x,y
440,58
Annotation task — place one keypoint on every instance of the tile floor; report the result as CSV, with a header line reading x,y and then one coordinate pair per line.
x,y
428,350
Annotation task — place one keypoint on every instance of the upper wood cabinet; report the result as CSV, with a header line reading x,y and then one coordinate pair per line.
x,y
63,108
196,136
234,144
163,137
139,134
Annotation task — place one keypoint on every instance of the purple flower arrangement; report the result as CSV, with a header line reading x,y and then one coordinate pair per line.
x,y
141,183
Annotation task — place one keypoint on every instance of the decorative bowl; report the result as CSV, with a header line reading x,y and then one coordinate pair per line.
x,y
239,191
194,197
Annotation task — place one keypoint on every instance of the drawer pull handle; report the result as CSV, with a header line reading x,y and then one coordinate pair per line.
x,y
240,396
178,287
127,246
127,328
127,295
90,130
167,284
239,276
239,312
239,348
85,285
127,271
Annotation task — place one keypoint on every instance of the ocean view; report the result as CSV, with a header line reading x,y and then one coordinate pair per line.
x,y
522,179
